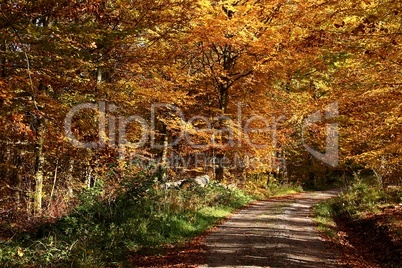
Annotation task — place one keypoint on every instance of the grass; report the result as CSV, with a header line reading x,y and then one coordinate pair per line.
x,y
363,196
102,233
324,218
260,189
370,216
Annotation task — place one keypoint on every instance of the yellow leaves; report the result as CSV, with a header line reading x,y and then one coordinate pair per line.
x,y
5,95
205,4
20,252
394,122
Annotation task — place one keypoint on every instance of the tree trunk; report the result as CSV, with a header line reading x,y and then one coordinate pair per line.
x,y
165,150
164,162
4,59
219,170
53,186
88,176
223,97
246,166
98,75
223,103
18,180
70,179
39,163
29,200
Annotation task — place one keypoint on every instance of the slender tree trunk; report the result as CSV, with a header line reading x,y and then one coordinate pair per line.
x,y
245,172
224,97
223,103
88,177
54,186
40,161
70,179
219,170
164,162
165,150
29,200
162,165
4,60
98,75
18,180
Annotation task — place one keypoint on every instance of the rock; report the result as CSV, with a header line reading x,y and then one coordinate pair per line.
x,y
230,187
202,180
199,181
173,184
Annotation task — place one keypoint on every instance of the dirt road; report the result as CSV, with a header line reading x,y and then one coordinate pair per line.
x,y
273,233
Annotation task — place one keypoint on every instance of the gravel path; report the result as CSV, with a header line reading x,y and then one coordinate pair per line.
x,y
272,233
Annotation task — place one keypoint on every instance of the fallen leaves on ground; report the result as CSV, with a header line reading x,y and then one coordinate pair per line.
x,y
372,241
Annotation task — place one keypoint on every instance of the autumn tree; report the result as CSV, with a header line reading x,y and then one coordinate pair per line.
x,y
245,52
56,54
230,75
360,43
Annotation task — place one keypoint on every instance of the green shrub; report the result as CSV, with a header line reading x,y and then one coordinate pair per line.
x,y
323,216
359,198
263,186
101,233
364,194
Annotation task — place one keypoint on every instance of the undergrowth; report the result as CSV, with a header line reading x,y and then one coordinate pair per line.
x,y
141,216
365,212
324,217
263,187
362,196
101,233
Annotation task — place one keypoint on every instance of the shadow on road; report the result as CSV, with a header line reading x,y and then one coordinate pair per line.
x,y
273,233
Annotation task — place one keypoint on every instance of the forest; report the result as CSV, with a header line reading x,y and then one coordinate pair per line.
x,y
106,105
